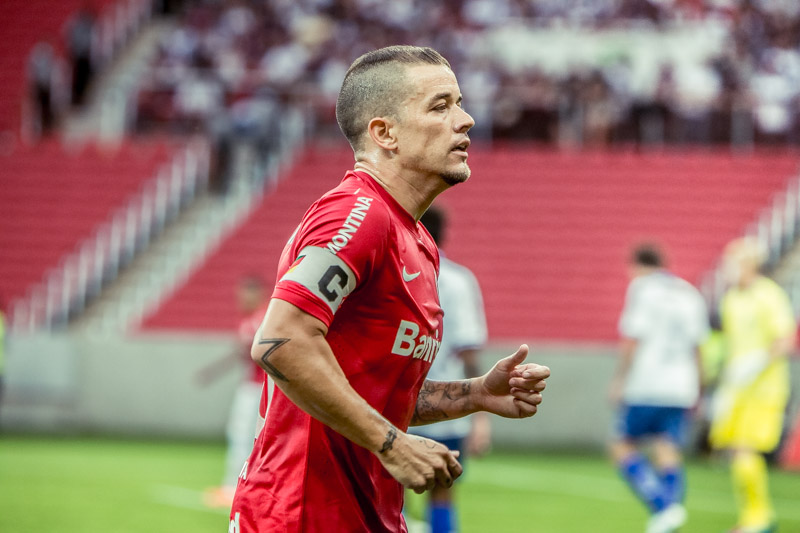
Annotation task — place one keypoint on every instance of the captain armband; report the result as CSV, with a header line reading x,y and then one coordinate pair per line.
x,y
324,274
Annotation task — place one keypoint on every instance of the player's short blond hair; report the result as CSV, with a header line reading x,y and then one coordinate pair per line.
x,y
746,249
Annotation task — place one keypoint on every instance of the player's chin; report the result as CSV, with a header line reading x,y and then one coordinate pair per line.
x,y
457,175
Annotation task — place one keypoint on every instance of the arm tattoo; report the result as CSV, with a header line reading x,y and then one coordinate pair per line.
x,y
438,400
390,436
273,344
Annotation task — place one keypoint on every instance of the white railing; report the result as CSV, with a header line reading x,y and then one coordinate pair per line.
x,y
116,25
776,229
65,290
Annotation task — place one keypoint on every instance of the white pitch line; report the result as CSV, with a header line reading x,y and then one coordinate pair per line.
x,y
609,490
183,498
568,484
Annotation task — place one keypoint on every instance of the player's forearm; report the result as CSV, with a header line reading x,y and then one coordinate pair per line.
x,y
627,349
698,361
782,347
218,368
305,369
444,400
470,359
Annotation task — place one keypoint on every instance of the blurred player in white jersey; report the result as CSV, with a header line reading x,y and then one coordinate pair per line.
x,y
464,335
656,384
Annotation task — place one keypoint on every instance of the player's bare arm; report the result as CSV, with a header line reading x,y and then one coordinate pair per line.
x,y
217,368
510,389
698,361
291,347
783,346
626,351
268,346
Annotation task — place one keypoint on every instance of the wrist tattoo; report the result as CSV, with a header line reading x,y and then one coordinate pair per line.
x,y
390,436
269,368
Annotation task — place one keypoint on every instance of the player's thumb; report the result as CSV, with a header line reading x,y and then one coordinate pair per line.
x,y
514,359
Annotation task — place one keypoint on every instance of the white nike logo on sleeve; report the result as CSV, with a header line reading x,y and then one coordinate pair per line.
x,y
410,277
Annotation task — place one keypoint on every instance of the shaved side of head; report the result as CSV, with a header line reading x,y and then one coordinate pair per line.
x,y
376,85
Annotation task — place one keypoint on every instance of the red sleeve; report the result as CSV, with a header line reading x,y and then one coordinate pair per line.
x,y
335,250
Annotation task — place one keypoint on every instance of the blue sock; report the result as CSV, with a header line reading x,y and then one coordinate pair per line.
x,y
442,518
673,481
641,477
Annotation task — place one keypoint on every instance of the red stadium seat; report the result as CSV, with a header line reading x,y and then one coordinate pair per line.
x,y
52,198
546,232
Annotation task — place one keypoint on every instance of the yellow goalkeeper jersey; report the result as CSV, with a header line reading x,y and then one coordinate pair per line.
x,y
752,319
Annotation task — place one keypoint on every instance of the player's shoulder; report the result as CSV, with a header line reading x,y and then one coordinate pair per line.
x,y
769,289
663,280
766,284
353,208
456,280
353,193
639,285
448,267
687,287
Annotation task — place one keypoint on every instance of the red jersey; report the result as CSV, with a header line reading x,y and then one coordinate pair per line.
x,y
247,330
362,265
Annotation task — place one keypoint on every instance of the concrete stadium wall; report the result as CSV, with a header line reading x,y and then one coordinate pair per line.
x,y
131,386
147,386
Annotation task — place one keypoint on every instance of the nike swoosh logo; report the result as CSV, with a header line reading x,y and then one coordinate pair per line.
x,y
410,277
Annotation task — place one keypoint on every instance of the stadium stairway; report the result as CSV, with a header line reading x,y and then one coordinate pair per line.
x,y
108,114
52,197
206,300
546,232
184,244
167,262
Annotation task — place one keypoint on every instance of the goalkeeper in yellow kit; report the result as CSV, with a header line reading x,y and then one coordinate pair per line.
x,y
749,406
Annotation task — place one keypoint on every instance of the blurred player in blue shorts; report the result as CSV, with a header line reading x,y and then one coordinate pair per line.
x,y
464,335
657,382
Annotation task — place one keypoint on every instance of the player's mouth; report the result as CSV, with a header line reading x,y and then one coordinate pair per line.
x,y
461,148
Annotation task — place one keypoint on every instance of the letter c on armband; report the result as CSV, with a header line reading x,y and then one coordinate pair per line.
x,y
326,275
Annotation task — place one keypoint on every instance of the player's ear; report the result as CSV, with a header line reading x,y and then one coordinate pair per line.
x,y
382,132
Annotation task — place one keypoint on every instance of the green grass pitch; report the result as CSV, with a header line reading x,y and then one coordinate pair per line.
x,y
100,485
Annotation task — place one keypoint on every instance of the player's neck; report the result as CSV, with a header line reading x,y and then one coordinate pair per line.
x,y
414,193
747,280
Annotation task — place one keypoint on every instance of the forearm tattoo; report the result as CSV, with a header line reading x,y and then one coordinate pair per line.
x,y
272,345
438,400
391,435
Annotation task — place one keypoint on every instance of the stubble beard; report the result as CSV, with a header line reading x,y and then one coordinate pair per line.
x,y
456,177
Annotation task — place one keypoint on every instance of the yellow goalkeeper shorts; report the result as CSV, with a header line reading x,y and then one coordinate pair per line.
x,y
749,424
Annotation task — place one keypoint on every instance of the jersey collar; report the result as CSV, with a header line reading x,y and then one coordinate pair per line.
x,y
390,200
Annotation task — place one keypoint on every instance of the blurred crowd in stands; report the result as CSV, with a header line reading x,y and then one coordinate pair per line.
x,y
57,84
572,72
61,68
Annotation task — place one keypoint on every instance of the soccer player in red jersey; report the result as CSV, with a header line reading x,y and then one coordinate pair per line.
x,y
354,321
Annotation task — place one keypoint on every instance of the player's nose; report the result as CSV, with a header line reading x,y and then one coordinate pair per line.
x,y
464,121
